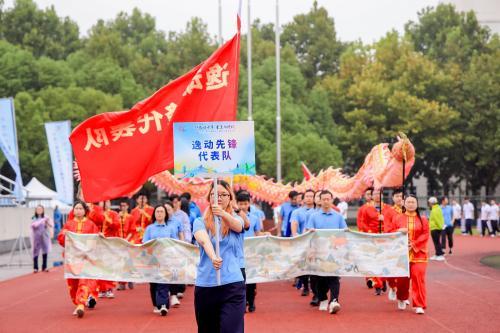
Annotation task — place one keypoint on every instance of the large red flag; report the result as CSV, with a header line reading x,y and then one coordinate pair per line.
x,y
305,170
117,152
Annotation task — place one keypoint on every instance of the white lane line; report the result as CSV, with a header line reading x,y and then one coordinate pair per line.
x,y
470,272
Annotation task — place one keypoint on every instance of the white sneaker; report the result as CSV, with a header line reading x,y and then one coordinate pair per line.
x,y
392,294
440,258
101,294
419,311
109,294
156,310
334,307
407,302
174,301
163,311
180,295
323,305
433,258
401,305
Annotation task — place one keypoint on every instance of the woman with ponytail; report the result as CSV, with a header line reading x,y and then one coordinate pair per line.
x,y
417,228
219,308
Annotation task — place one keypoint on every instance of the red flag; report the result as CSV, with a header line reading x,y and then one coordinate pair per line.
x,y
307,174
117,152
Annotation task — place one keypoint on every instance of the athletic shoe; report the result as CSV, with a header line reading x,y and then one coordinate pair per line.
x,y
101,294
419,311
163,310
323,305
79,311
433,258
407,301
401,305
180,295
251,308
378,291
91,302
314,301
369,284
392,294
109,294
174,301
130,285
121,287
440,258
156,310
334,307
305,292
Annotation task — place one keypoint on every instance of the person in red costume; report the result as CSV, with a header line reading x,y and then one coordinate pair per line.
x,y
417,228
108,228
397,199
83,292
126,229
141,215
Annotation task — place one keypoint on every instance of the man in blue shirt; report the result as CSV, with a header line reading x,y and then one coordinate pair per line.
x,y
448,224
327,218
286,210
298,222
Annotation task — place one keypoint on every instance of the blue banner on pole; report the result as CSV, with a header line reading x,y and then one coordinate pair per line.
x,y
8,141
226,147
61,157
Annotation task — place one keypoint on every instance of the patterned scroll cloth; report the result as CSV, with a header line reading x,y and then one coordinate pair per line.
x,y
268,258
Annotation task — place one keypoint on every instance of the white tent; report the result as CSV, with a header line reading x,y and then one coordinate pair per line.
x,y
37,193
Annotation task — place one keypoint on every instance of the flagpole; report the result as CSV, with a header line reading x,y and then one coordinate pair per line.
x,y
249,64
220,22
278,97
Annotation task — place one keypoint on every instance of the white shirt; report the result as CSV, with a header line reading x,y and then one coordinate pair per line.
x,y
485,212
457,212
494,212
343,208
468,210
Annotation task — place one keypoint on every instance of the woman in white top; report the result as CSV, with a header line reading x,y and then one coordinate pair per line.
x,y
468,211
494,217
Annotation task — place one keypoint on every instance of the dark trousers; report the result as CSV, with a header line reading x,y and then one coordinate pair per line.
x,y
160,293
468,226
325,283
220,309
251,293
494,226
305,281
447,233
44,262
484,226
436,235
177,288
314,285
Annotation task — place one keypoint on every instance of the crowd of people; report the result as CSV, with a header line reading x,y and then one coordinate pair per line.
x,y
221,305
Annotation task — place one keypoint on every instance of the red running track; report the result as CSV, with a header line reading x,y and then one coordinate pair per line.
x,y
463,296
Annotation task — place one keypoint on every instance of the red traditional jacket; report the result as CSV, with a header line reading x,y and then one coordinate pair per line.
x,y
418,234
83,226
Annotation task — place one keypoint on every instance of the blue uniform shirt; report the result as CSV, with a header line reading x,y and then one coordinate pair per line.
x,y
447,215
230,271
286,211
164,230
301,216
326,220
254,225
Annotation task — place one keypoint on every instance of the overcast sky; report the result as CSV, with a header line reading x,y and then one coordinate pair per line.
x,y
367,20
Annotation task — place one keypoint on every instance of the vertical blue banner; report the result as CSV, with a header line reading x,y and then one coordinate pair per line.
x,y
61,157
8,141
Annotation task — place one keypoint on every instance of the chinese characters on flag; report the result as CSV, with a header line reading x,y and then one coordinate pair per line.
x,y
117,152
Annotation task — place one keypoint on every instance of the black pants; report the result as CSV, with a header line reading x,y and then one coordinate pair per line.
x,y
325,283
468,226
484,226
305,281
436,235
251,293
447,233
44,262
160,294
220,309
314,285
177,288
494,226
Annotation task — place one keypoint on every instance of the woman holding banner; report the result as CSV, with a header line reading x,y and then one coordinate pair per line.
x,y
219,308
417,228
82,291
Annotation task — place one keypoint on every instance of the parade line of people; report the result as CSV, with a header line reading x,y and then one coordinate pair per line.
x,y
221,307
